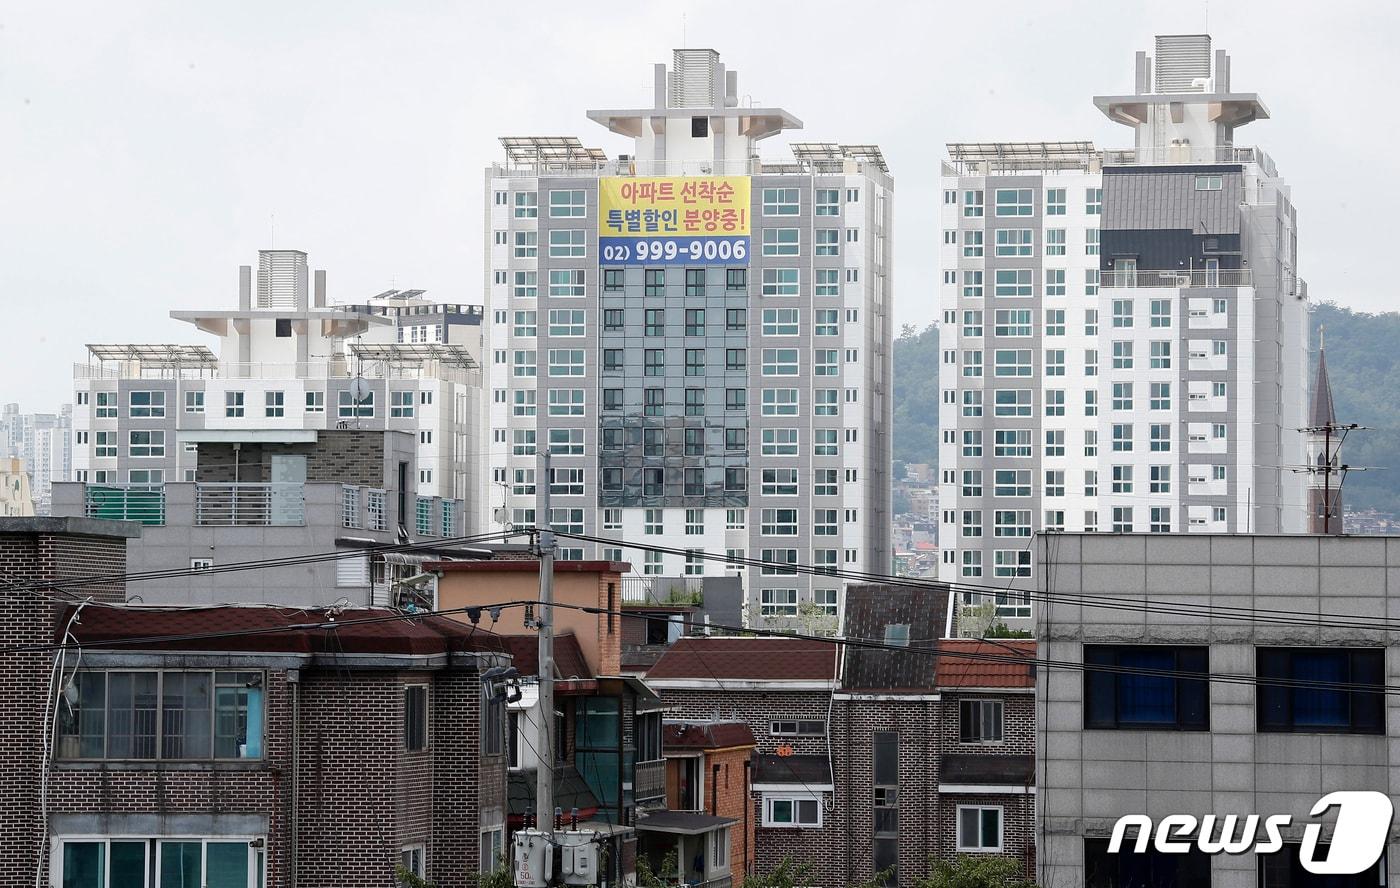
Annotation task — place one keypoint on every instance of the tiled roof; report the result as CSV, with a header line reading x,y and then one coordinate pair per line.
x,y
568,657
747,659
274,630
882,613
985,664
705,735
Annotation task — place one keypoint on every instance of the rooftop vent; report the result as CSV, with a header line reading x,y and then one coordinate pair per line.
x,y
693,78
1183,63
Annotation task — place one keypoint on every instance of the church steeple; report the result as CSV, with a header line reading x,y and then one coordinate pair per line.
x,y
1324,451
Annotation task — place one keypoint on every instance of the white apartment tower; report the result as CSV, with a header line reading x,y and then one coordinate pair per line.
x,y
702,340
1124,331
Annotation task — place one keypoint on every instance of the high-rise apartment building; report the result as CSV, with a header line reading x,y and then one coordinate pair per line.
x,y
702,340
44,443
1124,331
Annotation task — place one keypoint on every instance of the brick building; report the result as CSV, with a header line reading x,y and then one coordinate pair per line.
x,y
238,746
871,757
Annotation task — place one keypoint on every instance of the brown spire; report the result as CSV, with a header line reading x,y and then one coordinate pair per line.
x,y
1321,412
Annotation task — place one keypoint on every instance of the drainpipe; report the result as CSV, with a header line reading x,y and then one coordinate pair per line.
x,y
748,803
294,679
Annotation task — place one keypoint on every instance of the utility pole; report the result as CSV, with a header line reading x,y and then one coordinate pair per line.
x,y
544,773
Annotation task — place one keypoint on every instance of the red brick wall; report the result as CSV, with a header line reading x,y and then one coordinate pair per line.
x,y
731,798
31,618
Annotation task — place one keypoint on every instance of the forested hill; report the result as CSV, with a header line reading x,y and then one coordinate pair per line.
x,y
1363,359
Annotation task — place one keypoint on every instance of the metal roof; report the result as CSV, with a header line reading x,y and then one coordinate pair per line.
x,y
155,354
682,822
414,353
831,152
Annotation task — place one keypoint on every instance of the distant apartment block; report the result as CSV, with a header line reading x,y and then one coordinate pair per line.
x,y
1124,332
701,339
44,441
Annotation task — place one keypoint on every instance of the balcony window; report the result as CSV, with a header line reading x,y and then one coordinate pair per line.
x,y
1145,690
201,715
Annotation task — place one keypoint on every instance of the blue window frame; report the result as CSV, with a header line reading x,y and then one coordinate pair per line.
x,y
1142,687
1322,690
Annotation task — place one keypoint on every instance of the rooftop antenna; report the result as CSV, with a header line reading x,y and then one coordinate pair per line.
x,y
683,43
272,226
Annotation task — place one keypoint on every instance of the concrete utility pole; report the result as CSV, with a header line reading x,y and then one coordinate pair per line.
x,y
544,773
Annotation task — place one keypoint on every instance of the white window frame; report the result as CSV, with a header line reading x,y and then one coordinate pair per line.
x,y
979,848
793,797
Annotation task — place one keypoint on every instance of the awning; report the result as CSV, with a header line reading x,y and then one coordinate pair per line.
x,y
615,685
987,770
792,771
250,436
682,823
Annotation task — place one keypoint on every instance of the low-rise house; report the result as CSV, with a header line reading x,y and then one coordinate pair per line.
x,y
238,746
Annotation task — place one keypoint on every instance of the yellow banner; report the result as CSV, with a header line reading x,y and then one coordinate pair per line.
x,y
673,206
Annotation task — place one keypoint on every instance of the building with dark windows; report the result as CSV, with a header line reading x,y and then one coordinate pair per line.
x,y
702,340
1234,674
1124,337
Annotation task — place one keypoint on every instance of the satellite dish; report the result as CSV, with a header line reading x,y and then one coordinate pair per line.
x,y
502,516
360,389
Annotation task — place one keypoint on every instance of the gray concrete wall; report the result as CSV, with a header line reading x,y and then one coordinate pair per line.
x,y
1089,778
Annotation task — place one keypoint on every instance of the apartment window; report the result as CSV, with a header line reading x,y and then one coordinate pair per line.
x,y
1014,202
972,243
566,362
1012,523
233,403
146,404
971,563
1091,242
526,244
826,321
824,442
400,404
736,279
1093,201
1122,479
1122,313
972,204
1091,322
567,204
778,603
567,243
695,322
972,482
779,442
1012,482
1014,242
201,715
1160,313
1055,242
146,443
802,811
1055,482
525,285
1014,282
778,562
780,242
1160,355
415,718
566,282
1219,347
1055,402
979,828
566,322
1013,322
1054,282
525,205
780,402
1326,690
780,322
980,721
823,482
828,201
1013,362
1054,362
194,402
972,285
780,201
695,362
1160,396
694,401
1054,442
972,442
779,282
1209,183
1122,396
1140,693
106,405
781,361
735,359
736,399
972,324
1013,442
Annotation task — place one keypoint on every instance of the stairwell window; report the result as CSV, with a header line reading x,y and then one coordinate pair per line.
x,y
980,721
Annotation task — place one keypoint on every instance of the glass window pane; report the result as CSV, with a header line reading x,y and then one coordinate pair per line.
x,y
228,864
131,715
186,717
128,864
180,865
1147,699
806,811
782,811
83,865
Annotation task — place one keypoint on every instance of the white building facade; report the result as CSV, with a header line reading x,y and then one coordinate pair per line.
x,y
700,338
1124,332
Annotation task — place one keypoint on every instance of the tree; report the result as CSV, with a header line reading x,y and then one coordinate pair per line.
x,y
976,872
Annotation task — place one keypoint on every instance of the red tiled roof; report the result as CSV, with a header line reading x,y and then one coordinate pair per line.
x,y
705,735
747,659
525,654
275,630
985,665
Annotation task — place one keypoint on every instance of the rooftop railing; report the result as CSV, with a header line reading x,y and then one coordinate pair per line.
x,y
143,503
1093,161
1177,278
751,167
313,370
277,504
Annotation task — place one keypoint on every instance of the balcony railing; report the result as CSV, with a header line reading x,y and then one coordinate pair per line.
x,y
649,780
1164,155
663,590
125,502
1177,278
335,368
251,505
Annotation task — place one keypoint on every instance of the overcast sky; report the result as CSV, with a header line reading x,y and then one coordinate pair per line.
x,y
145,148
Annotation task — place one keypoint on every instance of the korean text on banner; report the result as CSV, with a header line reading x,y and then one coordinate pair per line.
x,y
673,220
